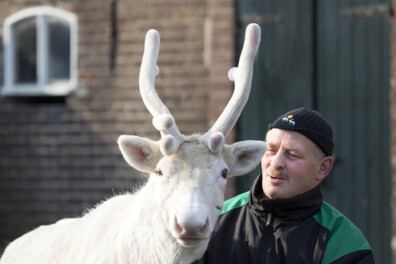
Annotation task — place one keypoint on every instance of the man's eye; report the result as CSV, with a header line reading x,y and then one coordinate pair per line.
x,y
293,155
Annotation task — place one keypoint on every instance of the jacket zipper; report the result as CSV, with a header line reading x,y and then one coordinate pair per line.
x,y
268,222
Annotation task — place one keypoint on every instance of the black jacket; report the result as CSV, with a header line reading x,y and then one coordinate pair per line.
x,y
302,229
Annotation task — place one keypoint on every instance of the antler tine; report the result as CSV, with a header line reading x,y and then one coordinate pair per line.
x,y
171,138
242,75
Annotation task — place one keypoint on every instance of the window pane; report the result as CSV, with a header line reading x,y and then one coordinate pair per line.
x,y
25,50
59,49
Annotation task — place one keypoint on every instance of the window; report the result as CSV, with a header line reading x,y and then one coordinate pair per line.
x,y
40,52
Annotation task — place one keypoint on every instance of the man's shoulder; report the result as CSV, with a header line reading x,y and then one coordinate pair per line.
x,y
344,237
332,219
235,202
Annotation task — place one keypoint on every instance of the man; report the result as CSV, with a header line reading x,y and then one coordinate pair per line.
x,y
283,219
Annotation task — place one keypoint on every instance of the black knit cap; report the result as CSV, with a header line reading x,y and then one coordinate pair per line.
x,y
309,123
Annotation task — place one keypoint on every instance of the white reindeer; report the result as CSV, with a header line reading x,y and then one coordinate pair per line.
x,y
170,219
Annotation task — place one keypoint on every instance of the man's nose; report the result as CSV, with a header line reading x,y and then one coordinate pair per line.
x,y
278,161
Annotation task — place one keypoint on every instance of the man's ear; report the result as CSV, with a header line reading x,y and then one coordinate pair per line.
x,y
243,157
141,153
325,167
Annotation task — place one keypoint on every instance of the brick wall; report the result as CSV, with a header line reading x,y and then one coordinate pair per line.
x,y
59,156
219,58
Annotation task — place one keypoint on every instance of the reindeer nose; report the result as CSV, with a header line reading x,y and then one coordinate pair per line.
x,y
191,228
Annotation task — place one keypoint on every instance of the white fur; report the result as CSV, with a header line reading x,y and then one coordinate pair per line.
x,y
170,219
139,227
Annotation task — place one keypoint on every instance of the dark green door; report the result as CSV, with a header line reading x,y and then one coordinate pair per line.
x,y
283,70
333,56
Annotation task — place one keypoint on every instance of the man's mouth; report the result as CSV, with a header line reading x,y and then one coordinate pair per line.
x,y
276,179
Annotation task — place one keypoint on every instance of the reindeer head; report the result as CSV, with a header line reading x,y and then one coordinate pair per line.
x,y
189,174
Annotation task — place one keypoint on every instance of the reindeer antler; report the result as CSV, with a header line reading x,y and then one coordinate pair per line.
x,y
171,138
242,76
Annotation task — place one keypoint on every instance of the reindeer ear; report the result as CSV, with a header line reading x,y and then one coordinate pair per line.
x,y
141,153
244,156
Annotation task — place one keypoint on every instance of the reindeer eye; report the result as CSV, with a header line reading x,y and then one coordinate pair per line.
x,y
159,172
224,173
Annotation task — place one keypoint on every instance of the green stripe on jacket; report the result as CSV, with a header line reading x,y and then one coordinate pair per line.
x,y
344,237
235,202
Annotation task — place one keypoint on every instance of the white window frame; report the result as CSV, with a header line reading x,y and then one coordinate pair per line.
x,y
41,87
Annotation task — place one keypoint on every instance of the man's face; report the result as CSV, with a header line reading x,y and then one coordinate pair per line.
x,y
291,165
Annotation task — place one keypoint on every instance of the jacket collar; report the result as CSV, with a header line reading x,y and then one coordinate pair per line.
x,y
299,207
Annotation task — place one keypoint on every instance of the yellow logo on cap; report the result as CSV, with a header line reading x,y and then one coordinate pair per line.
x,y
289,120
